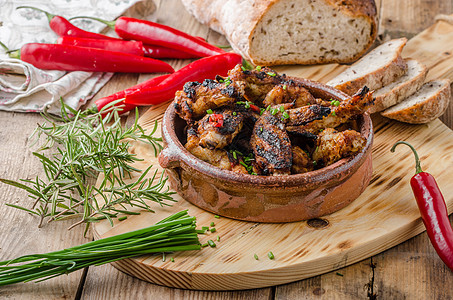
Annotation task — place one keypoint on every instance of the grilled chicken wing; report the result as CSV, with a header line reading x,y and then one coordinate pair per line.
x,y
306,114
289,91
257,83
193,101
216,157
356,105
271,145
333,145
301,161
217,130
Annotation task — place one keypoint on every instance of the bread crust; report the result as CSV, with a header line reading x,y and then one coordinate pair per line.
x,y
426,111
238,20
399,92
375,79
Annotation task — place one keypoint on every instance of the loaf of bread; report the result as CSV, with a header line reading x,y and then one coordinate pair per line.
x,y
427,104
382,66
274,32
400,89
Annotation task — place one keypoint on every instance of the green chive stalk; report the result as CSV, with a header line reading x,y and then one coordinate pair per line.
x,y
175,233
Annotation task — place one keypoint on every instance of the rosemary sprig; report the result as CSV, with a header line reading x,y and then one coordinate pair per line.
x,y
175,233
83,144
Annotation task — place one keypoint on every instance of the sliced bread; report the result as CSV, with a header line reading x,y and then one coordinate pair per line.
x,y
400,89
380,67
275,32
427,104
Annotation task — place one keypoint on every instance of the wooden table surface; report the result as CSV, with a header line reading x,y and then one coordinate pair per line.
x,y
411,270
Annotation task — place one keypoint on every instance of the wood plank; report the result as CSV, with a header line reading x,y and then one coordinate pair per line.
x,y
409,17
19,232
106,282
345,283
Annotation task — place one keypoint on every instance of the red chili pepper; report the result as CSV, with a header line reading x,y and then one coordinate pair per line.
x,y
205,68
157,34
63,27
131,47
72,58
254,107
216,120
433,210
164,52
101,102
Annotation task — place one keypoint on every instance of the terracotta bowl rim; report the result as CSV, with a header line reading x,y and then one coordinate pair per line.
x,y
317,177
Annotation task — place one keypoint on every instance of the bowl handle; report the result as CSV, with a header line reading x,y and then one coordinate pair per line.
x,y
168,158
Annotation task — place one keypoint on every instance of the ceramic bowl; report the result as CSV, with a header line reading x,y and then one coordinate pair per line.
x,y
271,199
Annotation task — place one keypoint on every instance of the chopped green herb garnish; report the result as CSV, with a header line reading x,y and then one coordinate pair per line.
x,y
268,107
235,156
281,108
243,68
274,111
270,255
212,224
218,238
333,113
285,115
315,163
227,81
261,129
205,228
172,259
217,217
235,113
199,231
209,111
204,245
271,74
255,256
211,243
213,229
335,103
246,103
258,68
122,218
163,256
284,86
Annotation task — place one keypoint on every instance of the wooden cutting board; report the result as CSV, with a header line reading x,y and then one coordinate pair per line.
x,y
383,216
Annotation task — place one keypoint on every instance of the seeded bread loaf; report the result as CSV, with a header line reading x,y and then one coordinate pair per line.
x,y
274,32
400,89
380,67
427,104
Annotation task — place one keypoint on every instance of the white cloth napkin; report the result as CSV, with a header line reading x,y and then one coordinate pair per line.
x,y
28,89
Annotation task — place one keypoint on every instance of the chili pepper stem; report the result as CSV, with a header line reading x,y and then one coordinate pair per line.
x,y
110,24
48,14
4,47
418,168
11,53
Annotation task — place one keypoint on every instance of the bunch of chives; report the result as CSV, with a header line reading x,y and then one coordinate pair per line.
x,y
175,233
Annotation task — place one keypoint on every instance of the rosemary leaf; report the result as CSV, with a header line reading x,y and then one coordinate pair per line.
x,y
73,150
